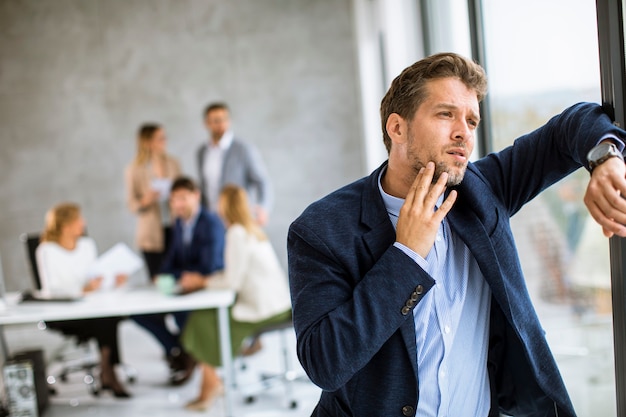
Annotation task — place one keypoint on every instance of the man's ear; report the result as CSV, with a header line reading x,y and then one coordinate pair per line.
x,y
396,128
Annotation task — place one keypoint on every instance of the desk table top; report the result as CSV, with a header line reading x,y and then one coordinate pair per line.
x,y
114,303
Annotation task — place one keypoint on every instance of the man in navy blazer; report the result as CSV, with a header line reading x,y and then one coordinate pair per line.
x,y
433,318
196,250
197,242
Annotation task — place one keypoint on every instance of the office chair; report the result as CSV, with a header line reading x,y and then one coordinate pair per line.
x,y
75,354
285,377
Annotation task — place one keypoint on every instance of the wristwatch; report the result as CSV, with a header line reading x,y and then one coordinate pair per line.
x,y
600,153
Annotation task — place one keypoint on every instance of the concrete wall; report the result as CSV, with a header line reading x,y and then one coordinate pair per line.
x,y
77,77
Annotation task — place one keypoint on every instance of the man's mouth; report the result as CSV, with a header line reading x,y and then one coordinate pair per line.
x,y
458,153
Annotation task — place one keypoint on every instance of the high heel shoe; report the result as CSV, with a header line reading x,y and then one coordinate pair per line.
x,y
117,392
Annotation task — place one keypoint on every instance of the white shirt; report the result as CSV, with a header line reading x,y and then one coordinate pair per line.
x,y
252,269
213,164
63,271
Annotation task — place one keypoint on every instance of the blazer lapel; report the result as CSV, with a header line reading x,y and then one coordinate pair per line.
x,y
374,216
377,240
465,222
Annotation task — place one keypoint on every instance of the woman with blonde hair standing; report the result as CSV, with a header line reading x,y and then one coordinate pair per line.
x,y
252,270
148,179
64,258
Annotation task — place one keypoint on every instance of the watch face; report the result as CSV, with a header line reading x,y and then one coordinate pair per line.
x,y
599,151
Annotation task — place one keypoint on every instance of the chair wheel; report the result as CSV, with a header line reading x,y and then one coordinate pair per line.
x,y
293,405
131,379
249,399
52,391
95,392
63,377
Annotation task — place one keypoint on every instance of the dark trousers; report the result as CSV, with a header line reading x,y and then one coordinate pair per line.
x,y
155,324
154,260
104,330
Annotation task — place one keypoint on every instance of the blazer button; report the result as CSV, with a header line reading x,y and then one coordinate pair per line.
x,y
408,411
414,296
419,289
410,303
405,310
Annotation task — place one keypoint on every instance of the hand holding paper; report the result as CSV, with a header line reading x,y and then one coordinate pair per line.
x,y
120,260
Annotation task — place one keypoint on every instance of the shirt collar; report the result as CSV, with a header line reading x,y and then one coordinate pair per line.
x,y
192,221
394,204
225,141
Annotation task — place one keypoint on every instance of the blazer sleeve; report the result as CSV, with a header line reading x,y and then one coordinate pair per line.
x,y
210,246
539,159
259,178
343,320
200,165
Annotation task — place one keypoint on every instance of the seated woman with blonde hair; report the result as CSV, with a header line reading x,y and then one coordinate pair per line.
x,y
252,269
64,257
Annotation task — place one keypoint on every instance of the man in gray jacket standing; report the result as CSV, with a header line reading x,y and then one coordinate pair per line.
x,y
226,159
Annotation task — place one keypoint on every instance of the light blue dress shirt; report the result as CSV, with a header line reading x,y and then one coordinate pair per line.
x,y
188,227
451,326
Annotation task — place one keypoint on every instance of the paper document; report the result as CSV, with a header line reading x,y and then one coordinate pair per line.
x,y
162,185
120,259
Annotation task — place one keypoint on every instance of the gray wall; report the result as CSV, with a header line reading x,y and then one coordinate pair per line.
x,y
77,77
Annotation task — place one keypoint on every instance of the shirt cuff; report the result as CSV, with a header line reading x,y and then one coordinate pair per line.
x,y
617,141
421,262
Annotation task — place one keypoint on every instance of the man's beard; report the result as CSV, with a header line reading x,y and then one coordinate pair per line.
x,y
440,167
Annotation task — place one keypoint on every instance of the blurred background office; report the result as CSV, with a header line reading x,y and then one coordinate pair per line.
x,y
77,77
303,79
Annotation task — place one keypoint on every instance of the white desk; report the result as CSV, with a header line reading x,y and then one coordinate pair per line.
x,y
129,302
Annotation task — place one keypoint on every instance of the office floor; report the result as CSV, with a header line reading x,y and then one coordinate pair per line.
x,y
578,346
152,396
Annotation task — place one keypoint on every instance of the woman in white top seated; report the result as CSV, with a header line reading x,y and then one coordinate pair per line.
x,y
64,257
252,269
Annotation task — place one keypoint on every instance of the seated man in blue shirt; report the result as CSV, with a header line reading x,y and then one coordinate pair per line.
x,y
196,250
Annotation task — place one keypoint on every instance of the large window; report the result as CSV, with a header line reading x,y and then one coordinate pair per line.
x,y
541,57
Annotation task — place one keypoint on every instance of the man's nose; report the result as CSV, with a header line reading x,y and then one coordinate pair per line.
x,y
462,131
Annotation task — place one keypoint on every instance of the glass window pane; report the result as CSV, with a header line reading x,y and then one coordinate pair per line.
x,y
542,56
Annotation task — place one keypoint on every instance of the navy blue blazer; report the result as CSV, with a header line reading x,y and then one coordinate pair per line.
x,y
205,253
349,284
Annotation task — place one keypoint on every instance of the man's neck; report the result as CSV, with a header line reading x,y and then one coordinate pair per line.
x,y
396,182
192,215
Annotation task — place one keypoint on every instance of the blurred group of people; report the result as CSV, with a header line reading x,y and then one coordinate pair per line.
x,y
205,234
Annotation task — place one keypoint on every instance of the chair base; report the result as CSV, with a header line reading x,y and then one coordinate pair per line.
x,y
83,358
266,381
